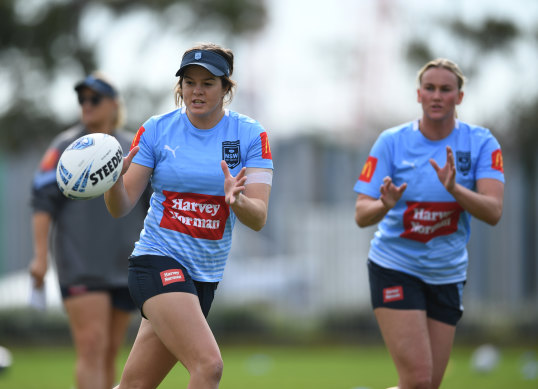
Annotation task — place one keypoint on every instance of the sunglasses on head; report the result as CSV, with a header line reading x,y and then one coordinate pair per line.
x,y
94,100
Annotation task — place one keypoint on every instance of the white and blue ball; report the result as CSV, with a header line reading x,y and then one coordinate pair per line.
x,y
485,358
89,166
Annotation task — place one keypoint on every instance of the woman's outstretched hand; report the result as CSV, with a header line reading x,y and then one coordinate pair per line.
x,y
390,193
128,159
233,186
446,174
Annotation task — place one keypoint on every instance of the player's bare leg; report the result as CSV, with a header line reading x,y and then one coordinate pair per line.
x,y
405,333
441,340
119,321
178,321
175,319
89,318
141,371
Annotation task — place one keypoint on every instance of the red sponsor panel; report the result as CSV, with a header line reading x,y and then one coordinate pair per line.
x,y
393,293
50,160
368,169
424,221
136,139
497,160
172,275
198,215
266,148
77,290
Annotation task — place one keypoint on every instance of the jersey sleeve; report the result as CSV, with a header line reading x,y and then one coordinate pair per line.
x,y
145,139
46,196
377,166
490,160
259,151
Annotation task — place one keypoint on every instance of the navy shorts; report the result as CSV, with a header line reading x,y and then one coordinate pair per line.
x,y
119,296
397,290
151,275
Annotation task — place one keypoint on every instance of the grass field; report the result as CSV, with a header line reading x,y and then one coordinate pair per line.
x,y
270,367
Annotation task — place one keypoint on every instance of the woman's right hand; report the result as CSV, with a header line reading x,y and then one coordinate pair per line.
x,y
128,159
38,269
125,193
370,210
390,193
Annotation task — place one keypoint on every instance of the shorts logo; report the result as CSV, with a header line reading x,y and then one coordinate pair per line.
x,y
198,215
463,159
136,139
76,290
231,153
368,169
497,160
394,293
426,220
172,275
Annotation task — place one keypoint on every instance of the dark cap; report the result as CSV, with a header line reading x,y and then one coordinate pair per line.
x,y
215,63
97,85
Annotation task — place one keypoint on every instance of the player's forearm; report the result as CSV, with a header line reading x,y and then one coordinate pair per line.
x,y
117,200
487,208
41,227
369,212
252,212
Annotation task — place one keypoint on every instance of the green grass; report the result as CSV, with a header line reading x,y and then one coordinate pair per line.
x,y
260,367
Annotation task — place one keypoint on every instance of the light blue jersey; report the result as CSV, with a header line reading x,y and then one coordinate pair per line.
x,y
188,218
426,233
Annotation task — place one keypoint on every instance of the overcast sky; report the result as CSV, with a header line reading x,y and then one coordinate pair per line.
x,y
322,66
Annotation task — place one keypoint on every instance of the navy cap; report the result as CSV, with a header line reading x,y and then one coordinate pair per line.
x,y
215,63
97,85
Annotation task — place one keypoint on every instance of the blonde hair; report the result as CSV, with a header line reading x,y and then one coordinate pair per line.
x,y
445,64
227,82
119,115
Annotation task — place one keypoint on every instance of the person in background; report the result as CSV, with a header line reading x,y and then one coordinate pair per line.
x,y
88,245
208,166
422,182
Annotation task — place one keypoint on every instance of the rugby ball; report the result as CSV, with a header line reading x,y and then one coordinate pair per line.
x,y
89,166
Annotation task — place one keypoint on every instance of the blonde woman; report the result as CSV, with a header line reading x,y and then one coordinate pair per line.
x,y
88,245
422,182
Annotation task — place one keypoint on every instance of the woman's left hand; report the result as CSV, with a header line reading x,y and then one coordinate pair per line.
x,y
233,186
446,174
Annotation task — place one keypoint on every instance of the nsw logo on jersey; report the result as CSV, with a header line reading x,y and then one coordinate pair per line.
x,y
231,153
368,169
463,161
423,221
497,160
198,215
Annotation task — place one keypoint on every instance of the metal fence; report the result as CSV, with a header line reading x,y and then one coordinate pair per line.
x,y
310,259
